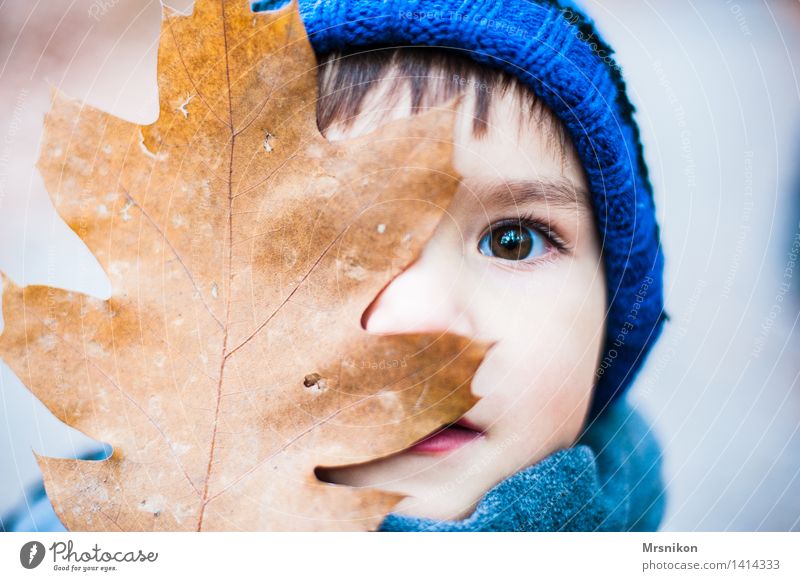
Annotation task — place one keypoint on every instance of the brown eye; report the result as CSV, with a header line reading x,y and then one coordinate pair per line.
x,y
512,241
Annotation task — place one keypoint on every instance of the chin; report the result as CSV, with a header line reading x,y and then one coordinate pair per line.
x,y
441,485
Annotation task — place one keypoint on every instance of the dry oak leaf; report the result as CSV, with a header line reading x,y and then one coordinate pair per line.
x,y
242,249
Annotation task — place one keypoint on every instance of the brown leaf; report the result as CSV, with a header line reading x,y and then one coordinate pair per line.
x,y
242,249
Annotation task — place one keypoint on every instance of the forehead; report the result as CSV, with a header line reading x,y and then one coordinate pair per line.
x,y
516,146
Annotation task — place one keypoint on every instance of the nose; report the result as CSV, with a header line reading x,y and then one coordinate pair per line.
x,y
421,299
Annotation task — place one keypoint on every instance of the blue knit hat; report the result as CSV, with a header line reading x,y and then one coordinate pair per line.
x,y
553,49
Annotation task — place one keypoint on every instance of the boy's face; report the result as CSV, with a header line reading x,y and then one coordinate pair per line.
x,y
515,259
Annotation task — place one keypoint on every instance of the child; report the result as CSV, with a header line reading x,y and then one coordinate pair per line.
x,y
550,247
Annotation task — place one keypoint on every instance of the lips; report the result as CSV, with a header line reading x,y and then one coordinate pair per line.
x,y
448,439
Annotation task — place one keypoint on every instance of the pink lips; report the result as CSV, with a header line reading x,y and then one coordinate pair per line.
x,y
448,439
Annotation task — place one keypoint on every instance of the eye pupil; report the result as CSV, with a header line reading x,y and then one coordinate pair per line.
x,y
511,242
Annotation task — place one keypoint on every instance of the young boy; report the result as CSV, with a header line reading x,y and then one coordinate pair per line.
x,y
549,247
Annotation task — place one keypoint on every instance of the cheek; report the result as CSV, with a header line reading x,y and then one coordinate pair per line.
x,y
537,381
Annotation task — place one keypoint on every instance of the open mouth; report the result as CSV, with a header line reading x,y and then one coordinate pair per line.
x,y
447,439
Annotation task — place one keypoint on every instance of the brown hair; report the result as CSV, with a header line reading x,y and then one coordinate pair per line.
x,y
433,76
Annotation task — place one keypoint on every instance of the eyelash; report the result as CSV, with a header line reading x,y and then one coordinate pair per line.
x,y
544,229
552,237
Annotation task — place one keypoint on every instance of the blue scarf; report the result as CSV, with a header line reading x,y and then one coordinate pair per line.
x,y
609,481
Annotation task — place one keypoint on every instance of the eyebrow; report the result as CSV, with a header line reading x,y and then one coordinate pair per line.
x,y
511,194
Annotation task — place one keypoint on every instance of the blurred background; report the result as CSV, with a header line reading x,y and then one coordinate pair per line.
x,y
716,86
